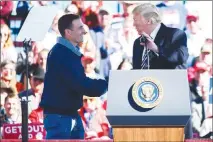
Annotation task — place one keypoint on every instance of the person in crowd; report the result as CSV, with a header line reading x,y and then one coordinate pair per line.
x,y
205,54
50,38
37,59
8,51
200,79
42,59
89,64
93,118
96,32
8,75
6,8
195,36
5,91
35,92
206,127
200,103
12,108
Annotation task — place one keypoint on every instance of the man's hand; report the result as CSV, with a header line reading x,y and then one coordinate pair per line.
x,y
150,44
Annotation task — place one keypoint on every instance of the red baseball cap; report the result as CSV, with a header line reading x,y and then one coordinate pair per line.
x,y
201,66
87,59
190,18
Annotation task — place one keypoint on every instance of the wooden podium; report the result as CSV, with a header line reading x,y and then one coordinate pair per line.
x,y
143,133
163,122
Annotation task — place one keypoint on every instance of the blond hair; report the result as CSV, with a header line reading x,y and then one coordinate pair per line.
x,y
8,42
149,12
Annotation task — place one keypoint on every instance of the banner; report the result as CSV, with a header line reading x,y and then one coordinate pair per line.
x,y
13,131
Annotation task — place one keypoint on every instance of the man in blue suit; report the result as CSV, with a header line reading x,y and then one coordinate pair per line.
x,y
161,48
167,46
65,83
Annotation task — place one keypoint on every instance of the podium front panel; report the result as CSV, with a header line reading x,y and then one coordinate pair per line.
x,y
174,108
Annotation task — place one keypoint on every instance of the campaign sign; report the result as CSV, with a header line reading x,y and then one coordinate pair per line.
x,y
13,131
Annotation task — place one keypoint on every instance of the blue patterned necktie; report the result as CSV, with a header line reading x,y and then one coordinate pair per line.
x,y
146,59
148,55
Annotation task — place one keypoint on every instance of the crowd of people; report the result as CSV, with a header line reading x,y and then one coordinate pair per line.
x,y
107,46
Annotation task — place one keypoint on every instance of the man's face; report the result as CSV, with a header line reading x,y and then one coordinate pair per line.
x,y
104,20
192,26
77,31
140,23
89,104
11,106
42,60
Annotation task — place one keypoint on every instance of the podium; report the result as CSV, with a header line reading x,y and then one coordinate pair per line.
x,y
135,116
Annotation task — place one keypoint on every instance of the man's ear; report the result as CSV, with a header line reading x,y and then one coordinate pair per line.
x,y
67,32
149,22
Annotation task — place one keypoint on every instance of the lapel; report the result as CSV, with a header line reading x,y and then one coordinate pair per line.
x,y
160,37
159,40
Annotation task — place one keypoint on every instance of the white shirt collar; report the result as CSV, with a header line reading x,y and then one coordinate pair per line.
x,y
155,31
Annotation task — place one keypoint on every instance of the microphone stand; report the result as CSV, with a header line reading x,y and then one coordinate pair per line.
x,y
24,101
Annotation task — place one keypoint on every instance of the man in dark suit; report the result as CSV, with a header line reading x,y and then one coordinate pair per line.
x,y
163,47
167,46
65,83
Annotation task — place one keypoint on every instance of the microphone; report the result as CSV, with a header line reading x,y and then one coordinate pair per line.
x,y
143,39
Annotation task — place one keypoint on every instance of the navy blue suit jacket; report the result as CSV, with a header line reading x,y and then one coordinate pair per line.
x,y
173,51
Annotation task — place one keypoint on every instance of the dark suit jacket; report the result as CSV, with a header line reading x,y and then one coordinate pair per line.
x,y
173,51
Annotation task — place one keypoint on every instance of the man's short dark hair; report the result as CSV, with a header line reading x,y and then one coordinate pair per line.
x,y
103,12
65,22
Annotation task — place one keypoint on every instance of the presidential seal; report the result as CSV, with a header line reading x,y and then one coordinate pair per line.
x,y
147,92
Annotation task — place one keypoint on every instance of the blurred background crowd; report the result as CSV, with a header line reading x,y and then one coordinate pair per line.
x,y
107,46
